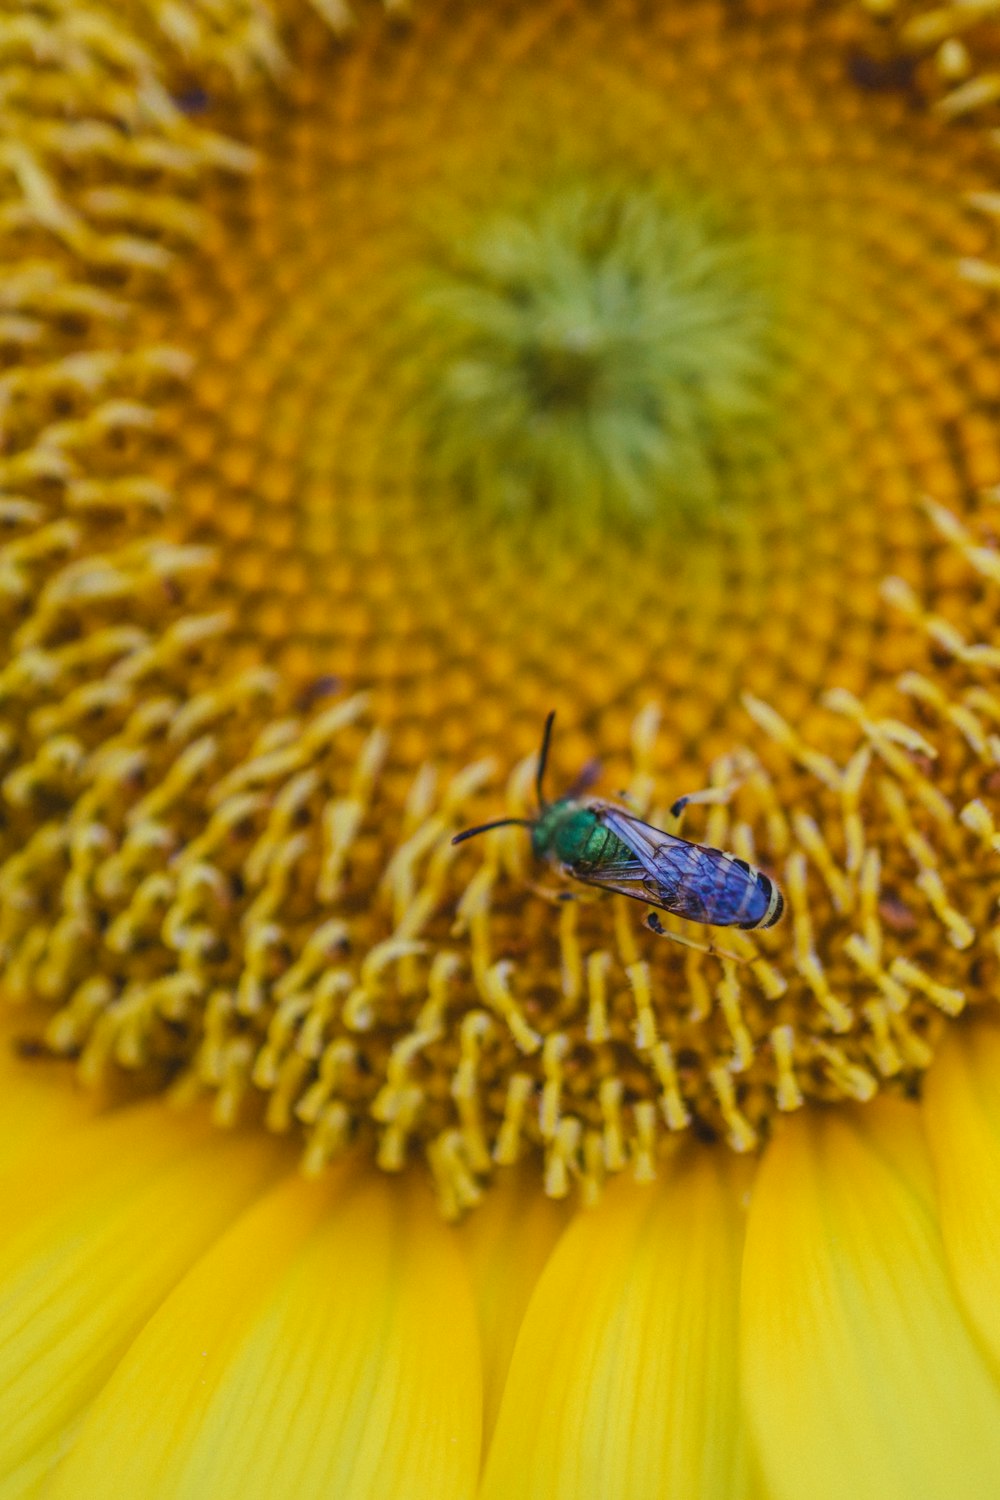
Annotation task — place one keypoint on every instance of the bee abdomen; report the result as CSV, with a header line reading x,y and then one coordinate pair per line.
x,y
762,903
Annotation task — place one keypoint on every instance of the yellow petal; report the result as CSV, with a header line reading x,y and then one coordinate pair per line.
x,y
962,1119
623,1384
862,1380
99,1227
507,1242
39,1100
326,1347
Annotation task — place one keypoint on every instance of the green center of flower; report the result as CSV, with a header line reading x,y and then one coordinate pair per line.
x,y
607,354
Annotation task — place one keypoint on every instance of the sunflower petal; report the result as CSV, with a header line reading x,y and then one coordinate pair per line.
x,y
38,1101
325,1347
962,1118
861,1376
507,1242
624,1378
100,1226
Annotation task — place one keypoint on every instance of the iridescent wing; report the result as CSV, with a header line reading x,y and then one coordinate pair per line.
x,y
692,880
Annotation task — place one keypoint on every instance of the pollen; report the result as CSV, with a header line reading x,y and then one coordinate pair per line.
x,y
369,392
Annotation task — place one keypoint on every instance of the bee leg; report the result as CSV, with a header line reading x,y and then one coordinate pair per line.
x,y
711,795
655,925
547,893
561,895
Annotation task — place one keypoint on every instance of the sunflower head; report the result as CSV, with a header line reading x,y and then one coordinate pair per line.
x,y
329,475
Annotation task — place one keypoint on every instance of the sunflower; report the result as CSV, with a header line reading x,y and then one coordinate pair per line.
x,y
374,384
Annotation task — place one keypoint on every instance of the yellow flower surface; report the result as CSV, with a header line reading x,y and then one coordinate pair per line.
x,y
373,384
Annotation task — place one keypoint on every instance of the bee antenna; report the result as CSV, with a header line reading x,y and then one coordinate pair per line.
x,y
470,833
543,756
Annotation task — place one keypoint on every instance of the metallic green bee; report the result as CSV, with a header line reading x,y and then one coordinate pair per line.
x,y
607,846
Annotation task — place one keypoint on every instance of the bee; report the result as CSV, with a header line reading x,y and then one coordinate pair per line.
x,y
604,845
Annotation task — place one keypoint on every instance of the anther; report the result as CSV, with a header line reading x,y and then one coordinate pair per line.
x,y
728,993
976,816
839,1015
22,960
257,686
553,1051
796,890
337,1063
328,1137
807,832
400,1111
569,944
610,1094
697,988
264,951
772,983
476,1026
869,888
625,936
777,833
91,701
968,97
881,1047
739,1132
916,1052
951,1001
340,823
283,863
766,718
281,1033
598,964
788,1095
930,28
320,948
847,1077
932,696
143,917
285,809
360,1007
850,795
445,968
234,817
500,998
644,1141
913,841
74,1021
190,765
941,632
64,961
562,1157
456,1185
645,1021
867,961
672,1106
592,1172
508,1146
960,932
284,1092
